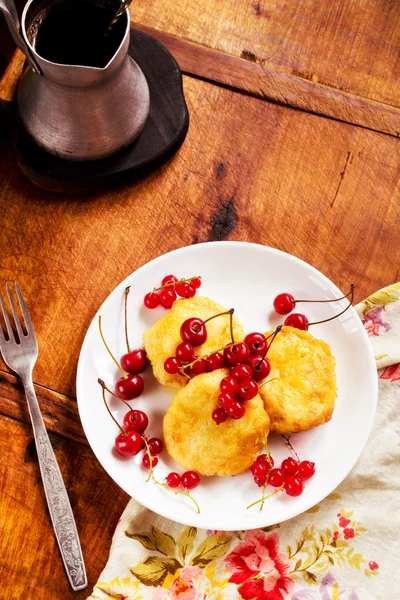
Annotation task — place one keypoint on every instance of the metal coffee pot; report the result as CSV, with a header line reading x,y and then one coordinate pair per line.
x,y
78,112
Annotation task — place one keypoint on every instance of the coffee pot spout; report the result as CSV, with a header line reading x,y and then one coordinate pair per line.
x,y
10,13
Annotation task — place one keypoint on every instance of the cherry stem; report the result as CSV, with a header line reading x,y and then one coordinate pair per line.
x,y
127,289
226,312
185,493
150,475
288,443
273,335
109,351
103,388
341,313
172,283
101,382
263,498
333,300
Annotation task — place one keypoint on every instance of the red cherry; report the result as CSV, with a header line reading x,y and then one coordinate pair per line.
x,y
225,400
236,410
306,469
229,385
185,352
169,279
290,466
134,361
248,389
269,461
260,481
257,343
260,367
152,300
277,477
190,480
199,366
146,461
194,331
219,415
129,443
172,365
297,320
259,469
155,446
173,480
284,304
130,387
215,361
136,420
236,354
241,372
167,297
294,486
195,282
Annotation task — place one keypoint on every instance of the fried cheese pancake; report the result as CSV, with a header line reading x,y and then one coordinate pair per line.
x,y
161,340
302,391
197,443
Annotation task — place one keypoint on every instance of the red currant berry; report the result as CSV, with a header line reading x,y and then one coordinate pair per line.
x,y
248,389
190,291
172,365
155,446
134,361
194,331
284,304
260,367
298,321
260,481
130,387
225,400
167,298
169,279
152,300
294,486
195,282
146,461
136,420
215,361
185,352
241,372
236,410
190,480
277,477
229,385
257,343
236,354
129,443
180,288
199,366
219,415
269,460
259,469
306,469
173,480
290,466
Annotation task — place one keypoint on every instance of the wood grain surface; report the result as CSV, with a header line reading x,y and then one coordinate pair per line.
x,y
350,45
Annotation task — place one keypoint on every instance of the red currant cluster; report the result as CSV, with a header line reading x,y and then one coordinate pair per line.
x,y
235,390
189,480
172,287
285,303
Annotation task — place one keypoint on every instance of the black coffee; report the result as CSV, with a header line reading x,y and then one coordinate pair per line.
x,y
75,33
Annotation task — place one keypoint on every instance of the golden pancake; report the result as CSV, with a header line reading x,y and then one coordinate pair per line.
x,y
302,391
197,443
161,340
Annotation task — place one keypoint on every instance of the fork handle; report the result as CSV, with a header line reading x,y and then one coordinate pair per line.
x,y
56,495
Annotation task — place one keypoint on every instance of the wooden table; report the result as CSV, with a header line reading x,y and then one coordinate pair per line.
x,y
293,143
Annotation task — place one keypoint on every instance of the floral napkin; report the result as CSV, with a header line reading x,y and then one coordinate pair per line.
x,y
345,548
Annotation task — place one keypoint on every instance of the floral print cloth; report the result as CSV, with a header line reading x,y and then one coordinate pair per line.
x,y
345,548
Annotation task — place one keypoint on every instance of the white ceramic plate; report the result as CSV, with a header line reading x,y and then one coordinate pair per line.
x,y
248,277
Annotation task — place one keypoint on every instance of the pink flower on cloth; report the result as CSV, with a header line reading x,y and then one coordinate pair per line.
x,y
372,321
183,587
328,590
259,568
392,372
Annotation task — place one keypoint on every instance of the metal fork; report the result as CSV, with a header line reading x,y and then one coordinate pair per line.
x,y
21,357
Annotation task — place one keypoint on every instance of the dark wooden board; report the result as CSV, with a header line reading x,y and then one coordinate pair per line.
x,y
162,136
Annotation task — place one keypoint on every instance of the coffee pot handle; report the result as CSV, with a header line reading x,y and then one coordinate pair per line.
x,y
10,12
